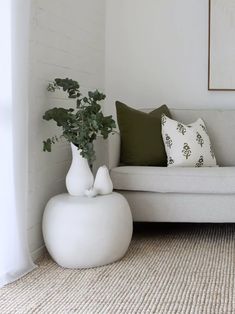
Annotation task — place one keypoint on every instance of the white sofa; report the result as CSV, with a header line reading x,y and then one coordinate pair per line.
x,y
183,194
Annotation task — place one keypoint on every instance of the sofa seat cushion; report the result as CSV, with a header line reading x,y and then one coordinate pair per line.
x,y
175,180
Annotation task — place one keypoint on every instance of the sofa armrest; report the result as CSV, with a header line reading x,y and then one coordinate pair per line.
x,y
114,148
107,151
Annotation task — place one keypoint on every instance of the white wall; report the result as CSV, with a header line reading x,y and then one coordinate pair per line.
x,y
66,40
156,52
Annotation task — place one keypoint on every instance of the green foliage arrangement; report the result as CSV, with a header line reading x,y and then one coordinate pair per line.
x,y
80,126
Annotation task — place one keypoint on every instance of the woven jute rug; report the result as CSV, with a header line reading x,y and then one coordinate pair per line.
x,y
170,268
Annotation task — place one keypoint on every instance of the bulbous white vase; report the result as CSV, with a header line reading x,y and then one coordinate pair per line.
x,y
79,177
103,183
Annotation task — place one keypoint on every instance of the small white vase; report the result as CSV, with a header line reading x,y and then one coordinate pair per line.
x,y
103,183
79,177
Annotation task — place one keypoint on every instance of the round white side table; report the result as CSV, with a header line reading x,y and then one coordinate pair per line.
x,y
82,232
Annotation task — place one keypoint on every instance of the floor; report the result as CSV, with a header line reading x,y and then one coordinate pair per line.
x,y
169,268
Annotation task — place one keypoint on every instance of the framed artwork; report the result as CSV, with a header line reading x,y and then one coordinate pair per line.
x,y
221,52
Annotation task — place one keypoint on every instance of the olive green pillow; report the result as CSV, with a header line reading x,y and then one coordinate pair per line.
x,y
141,139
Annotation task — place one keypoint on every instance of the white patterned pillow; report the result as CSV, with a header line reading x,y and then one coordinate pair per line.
x,y
187,145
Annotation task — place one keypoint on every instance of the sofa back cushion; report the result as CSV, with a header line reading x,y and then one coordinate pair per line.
x,y
221,128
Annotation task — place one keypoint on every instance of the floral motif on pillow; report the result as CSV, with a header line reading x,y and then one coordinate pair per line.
x,y
187,145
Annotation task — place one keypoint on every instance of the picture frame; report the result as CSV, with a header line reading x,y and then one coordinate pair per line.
x,y
221,45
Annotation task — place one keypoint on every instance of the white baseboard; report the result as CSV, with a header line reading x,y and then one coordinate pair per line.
x,y
38,253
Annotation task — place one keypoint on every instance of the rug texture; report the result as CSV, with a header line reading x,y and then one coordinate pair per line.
x,y
172,268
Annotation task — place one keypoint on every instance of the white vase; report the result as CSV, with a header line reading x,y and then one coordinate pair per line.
x,y
103,183
79,177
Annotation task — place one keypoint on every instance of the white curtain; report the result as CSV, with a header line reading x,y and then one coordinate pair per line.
x,y
15,260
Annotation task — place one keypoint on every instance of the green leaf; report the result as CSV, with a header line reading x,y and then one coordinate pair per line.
x,y
81,125
47,145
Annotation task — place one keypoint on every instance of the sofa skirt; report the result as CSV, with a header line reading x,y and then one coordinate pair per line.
x,y
177,207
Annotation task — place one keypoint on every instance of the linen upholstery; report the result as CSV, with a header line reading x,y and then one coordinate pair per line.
x,y
166,206
180,207
203,180
220,125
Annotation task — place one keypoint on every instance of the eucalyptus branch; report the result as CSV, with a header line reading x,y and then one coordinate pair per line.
x,y
79,126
